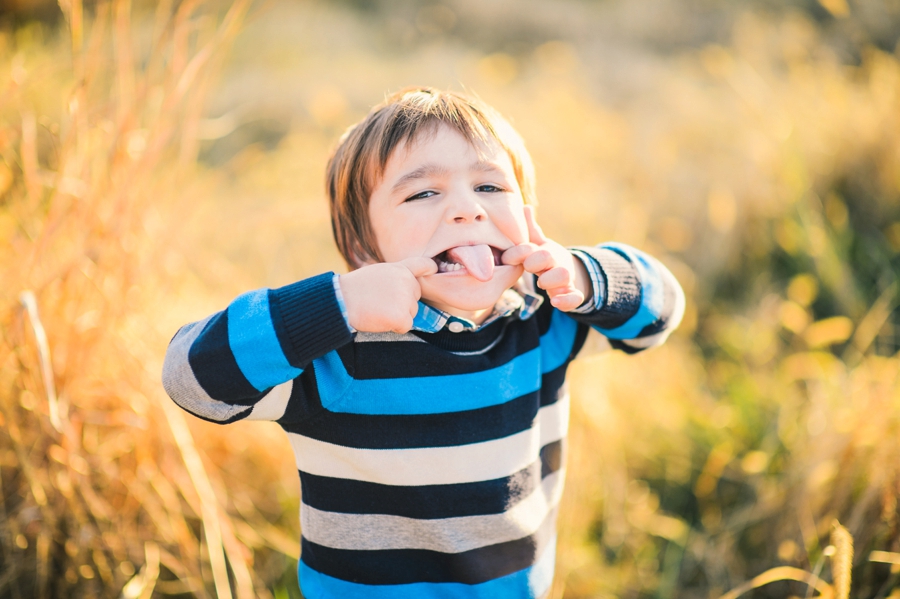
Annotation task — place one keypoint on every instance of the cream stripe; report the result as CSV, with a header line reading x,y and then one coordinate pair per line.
x,y
180,383
448,535
488,460
273,405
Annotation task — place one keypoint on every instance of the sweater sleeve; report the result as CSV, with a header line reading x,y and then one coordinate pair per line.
x,y
636,301
241,362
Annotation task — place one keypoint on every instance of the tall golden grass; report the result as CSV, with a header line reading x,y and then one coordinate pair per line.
x,y
104,493
757,453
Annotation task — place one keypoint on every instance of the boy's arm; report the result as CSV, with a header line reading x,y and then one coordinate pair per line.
x,y
628,296
235,364
635,301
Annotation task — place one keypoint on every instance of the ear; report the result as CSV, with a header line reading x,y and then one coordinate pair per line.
x,y
359,257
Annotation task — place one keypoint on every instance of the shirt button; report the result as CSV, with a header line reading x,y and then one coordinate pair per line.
x,y
456,327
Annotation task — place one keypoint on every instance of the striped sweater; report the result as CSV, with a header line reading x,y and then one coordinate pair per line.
x,y
431,463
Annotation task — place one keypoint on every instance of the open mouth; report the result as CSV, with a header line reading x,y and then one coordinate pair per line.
x,y
477,260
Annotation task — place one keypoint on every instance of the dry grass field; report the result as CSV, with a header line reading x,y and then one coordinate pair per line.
x,y
157,159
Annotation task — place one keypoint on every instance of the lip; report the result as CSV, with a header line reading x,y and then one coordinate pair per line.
x,y
457,269
496,249
441,260
465,273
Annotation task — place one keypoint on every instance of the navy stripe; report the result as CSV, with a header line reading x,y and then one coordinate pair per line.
x,y
628,349
469,341
406,566
580,338
304,403
307,319
551,457
430,501
544,315
623,288
405,431
305,416
215,367
553,385
398,359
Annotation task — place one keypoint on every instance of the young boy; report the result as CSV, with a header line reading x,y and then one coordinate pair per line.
x,y
424,391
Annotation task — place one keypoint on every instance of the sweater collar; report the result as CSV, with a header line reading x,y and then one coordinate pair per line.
x,y
520,299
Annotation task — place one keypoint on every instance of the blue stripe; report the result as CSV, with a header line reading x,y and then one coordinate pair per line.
x,y
254,343
529,583
652,294
341,393
427,394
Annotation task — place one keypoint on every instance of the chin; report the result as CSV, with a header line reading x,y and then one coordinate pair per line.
x,y
465,293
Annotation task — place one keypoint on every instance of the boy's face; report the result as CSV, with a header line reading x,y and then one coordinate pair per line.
x,y
441,198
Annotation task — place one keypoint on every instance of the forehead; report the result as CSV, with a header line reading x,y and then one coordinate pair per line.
x,y
445,144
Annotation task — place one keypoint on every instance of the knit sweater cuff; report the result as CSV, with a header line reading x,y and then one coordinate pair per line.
x,y
308,319
623,288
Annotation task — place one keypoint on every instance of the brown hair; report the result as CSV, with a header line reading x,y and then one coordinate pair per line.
x,y
363,151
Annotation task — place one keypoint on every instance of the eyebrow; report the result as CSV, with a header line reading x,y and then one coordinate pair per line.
x,y
423,172
434,170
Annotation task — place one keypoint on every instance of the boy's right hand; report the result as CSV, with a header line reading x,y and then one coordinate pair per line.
x,y
385,296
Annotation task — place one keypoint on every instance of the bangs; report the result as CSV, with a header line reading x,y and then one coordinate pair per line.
x,y
420,113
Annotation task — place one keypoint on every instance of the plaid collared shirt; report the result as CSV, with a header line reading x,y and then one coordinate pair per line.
x,y
520,298
517,299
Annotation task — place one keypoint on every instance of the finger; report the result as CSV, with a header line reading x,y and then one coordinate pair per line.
x,y
555,277
517,254
567,301
403,327
539,261
535,234
420,266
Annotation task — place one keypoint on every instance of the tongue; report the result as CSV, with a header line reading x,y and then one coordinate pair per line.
x,y
477,259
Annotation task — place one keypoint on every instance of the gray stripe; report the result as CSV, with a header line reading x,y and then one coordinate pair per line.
x,y
447,535
180,383
367,337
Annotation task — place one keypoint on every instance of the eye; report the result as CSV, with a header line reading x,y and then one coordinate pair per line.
x,y
488,188
420,196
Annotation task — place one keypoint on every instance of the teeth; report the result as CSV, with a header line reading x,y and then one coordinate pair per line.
x,y
448,266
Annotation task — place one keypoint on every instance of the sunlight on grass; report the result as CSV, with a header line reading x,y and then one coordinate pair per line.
x,y
156,160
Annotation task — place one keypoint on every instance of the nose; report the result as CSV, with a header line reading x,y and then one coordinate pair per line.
x,y
465,208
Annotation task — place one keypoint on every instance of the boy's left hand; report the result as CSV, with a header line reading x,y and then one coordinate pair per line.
x,y
559,273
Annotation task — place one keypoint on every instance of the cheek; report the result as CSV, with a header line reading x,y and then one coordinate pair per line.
x,y
403,236
382,239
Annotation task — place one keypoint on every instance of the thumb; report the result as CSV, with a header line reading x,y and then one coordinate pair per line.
x,y
420,266
535,234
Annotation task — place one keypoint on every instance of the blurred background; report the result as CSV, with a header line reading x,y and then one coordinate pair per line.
x,y
159,158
